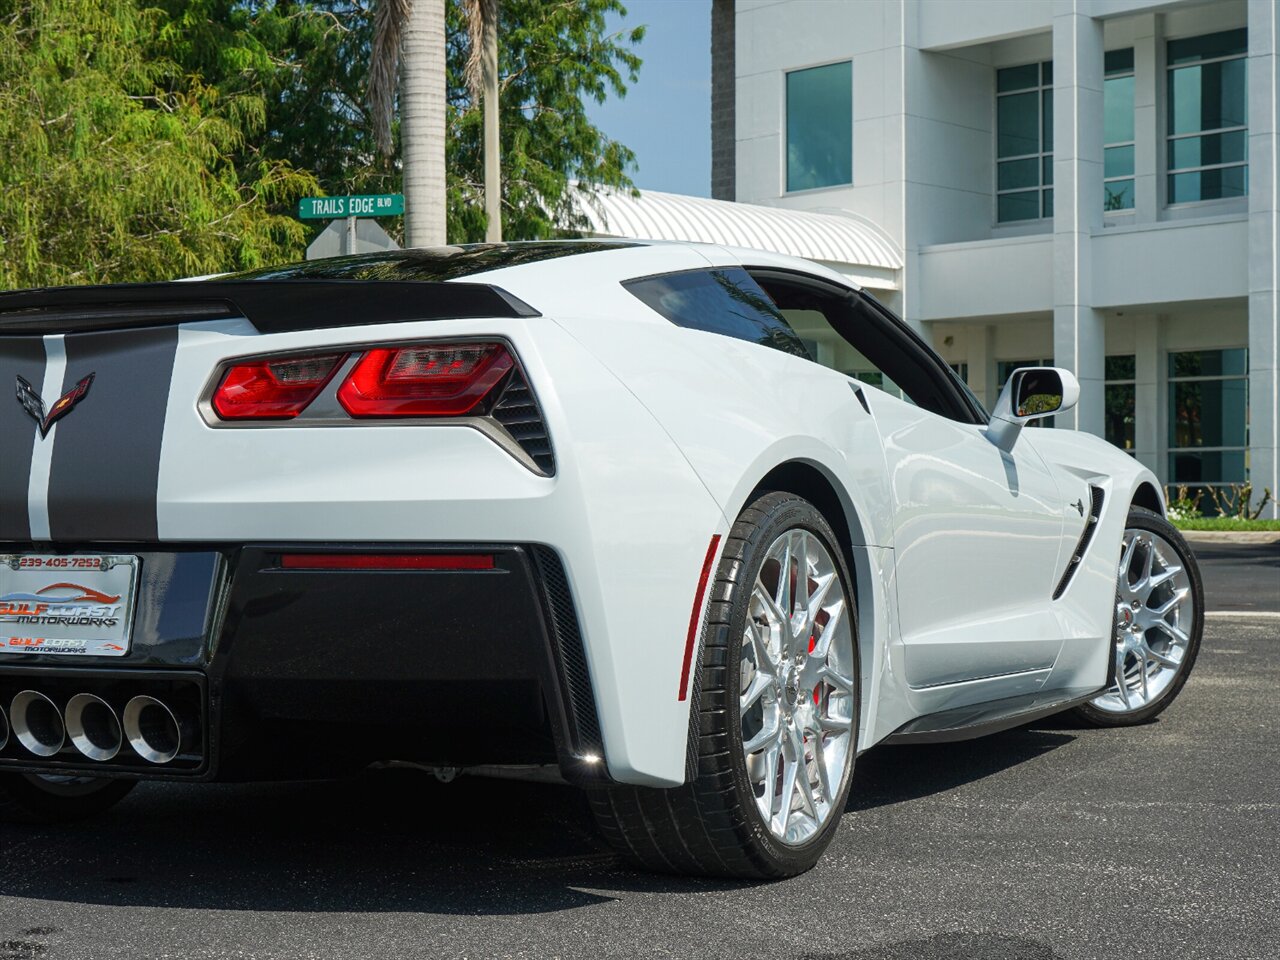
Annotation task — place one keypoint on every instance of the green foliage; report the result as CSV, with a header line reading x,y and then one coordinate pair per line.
x,y
149,139
551,57
117,163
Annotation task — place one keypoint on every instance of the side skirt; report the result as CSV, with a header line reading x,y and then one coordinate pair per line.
x,y
968,723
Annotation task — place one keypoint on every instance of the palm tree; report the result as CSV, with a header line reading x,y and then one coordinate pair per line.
x,y
409,37
482,79
416,27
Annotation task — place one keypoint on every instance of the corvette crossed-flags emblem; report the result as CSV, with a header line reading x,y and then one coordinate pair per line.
x,y
34,405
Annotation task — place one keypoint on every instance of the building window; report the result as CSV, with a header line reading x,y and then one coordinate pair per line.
x,y
1208,417
1121,400
820,127
1208,126
1117,125
1024,142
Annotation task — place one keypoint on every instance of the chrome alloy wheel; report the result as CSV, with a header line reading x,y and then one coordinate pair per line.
x,y
797,680
1155,611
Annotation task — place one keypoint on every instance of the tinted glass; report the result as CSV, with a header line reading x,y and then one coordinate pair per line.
x,y
435,263
1018,124
1207,97
1208,413
1117,110
1119,61
724,301
1118,195
1208,150
1210,466
1209,363
820,127
1018,206
1018,78
1225,44
1012,174
1121,367
1121,404
1118,161
1209,184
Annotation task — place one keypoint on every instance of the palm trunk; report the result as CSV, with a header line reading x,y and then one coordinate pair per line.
x,y
422,124
492,145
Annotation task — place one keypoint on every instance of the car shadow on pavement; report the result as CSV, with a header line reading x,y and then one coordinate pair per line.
x,y
897,774
397,841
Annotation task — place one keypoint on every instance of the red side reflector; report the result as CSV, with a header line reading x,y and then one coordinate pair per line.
x,y
273,389
386,561
694,618
427,380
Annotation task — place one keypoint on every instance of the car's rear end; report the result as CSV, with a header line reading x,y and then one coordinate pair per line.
x,y
263,529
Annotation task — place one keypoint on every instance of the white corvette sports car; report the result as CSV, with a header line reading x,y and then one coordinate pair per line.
x,y
691,526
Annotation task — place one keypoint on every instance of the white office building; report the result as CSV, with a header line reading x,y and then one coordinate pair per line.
x,y
1091,183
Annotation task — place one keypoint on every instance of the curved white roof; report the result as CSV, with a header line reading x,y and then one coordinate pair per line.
x,y
850,244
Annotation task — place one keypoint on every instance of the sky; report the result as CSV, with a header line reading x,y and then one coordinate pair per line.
x,y
665,117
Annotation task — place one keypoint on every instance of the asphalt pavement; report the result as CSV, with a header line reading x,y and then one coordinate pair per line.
x,y
1052,842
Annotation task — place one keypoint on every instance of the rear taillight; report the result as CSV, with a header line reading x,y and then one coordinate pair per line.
x,y
273,389
427,380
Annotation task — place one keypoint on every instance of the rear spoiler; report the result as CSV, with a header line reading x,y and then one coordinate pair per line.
x,y
272,306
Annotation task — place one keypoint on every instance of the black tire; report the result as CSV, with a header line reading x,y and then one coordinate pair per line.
x,y
1143,519
712,826
28,798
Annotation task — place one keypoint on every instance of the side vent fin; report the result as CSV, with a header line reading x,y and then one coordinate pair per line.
x,y
518,412
1095,511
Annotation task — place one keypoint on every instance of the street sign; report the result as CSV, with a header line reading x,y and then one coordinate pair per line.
x,y
343,237
333,208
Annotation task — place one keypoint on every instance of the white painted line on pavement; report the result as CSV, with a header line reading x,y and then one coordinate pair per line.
x,y
1265,614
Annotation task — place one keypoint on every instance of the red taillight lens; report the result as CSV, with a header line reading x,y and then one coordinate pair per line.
x,y
273,389
432,380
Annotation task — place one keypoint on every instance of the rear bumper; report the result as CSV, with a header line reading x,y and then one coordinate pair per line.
x,y
286,673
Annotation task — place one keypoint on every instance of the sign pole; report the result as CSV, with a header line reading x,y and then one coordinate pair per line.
x,y
349,244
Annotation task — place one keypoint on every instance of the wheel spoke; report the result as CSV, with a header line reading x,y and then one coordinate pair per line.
x,y
837,680
783,596
759,684
1165,576
764,656
1162,658
1142,674
1126,560
1122,684
789,768
1164,609
822,649
820,761
1172,631
762,739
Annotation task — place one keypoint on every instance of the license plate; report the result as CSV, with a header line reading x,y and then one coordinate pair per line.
x,y
70,605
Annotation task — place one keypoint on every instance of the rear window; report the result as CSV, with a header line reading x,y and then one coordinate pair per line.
x,y
725,301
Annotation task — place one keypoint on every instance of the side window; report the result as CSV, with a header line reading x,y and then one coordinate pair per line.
x,y
725,301
853,334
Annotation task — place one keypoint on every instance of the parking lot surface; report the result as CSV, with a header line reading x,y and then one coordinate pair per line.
x,y
1052,841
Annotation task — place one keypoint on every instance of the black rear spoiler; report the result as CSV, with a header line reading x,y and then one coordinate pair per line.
x,y
272,306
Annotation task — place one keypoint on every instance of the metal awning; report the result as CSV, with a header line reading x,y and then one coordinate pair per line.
x,y
841,240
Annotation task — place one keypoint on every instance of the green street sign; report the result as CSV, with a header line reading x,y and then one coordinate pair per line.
x,y
334,208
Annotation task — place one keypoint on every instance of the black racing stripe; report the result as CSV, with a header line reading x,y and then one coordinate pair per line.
x,y
19,357
106,456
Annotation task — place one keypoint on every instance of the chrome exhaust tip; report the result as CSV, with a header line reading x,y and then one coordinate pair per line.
x,y
93,727
37,723
4,729
152,730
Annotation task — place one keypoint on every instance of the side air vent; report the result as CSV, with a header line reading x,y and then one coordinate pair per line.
x,y
1095,511
517,410
570,654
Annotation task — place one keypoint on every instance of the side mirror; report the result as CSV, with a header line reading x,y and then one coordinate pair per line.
x,y
1031,393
